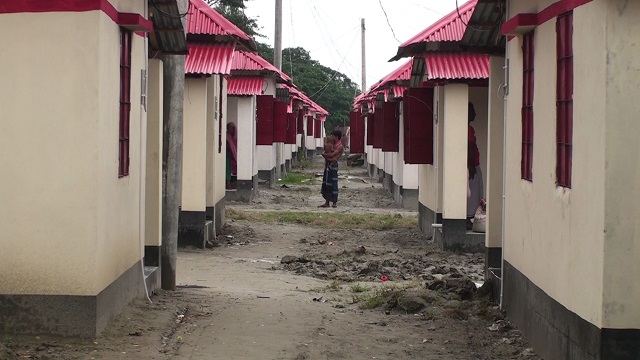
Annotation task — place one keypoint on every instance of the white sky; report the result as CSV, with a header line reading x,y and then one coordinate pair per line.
x,y
330,30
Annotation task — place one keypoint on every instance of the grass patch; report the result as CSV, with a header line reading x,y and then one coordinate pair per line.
x,y
357,288
296,178
335,285
327,220
386,295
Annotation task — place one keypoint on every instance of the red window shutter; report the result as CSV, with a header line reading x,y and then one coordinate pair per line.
x,y
526,162
356,131
417,106
279,121
317,133
310,126
391,126
291,128
378,132
264,125
300,121
370,128
564,99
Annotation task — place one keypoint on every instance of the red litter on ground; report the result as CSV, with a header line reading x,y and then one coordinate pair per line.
x,y
384,278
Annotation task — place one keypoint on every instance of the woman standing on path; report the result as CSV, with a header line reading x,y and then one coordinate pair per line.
x,y
329,187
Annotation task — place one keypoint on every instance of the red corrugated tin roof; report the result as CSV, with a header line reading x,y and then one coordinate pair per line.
x,y
245,85
398,90
399,74
208,59
203,20
306,100
246,61
449,28
457,66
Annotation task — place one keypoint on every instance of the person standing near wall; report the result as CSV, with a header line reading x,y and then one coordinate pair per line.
x,y
475,173
329,187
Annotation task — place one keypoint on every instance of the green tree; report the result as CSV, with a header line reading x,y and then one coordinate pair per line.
x,y
332,90
233,10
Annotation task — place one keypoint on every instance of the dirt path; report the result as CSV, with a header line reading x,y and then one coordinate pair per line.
x,y
278,290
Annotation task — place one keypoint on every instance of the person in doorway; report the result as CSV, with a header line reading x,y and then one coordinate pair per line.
x,y
475,173
232,155
329,187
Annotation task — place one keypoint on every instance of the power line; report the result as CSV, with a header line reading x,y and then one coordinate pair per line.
x,y
493,27
388,23
325,86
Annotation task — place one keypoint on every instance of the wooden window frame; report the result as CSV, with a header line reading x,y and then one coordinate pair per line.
x,y
126,37
526,162
564,99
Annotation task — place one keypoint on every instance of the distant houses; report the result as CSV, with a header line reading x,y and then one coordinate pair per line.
x,y
552,86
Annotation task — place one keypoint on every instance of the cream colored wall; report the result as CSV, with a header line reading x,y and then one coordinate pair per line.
x,y
454,165
554,236
388,161
429,174
622,158
194,178
65,172
527,6
153,193
211,118
495,154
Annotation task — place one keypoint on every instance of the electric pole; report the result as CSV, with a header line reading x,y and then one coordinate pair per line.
x,y
277,62
172,114
364,57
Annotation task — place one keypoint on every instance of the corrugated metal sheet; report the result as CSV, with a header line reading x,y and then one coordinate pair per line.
x,y
245,85
457,66
398,90
246,61
306,100
207,59
168,35
203,20
484,26
450,28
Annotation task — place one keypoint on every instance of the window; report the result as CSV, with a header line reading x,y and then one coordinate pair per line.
x,y
526,165
125,102
564,98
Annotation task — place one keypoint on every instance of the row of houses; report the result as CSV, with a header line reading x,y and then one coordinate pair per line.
x,y
83,117
552,85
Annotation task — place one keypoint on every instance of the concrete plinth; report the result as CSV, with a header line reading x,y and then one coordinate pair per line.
x,y
268,175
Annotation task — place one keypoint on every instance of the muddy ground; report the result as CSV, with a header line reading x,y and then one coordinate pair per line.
x,y
282,290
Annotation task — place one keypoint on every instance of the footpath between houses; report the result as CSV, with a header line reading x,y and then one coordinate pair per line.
x,y
291,281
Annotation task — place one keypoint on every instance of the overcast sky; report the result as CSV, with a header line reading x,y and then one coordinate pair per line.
x,y
330,30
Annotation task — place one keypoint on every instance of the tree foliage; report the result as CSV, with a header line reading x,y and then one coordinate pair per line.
x,y
233,10
332,90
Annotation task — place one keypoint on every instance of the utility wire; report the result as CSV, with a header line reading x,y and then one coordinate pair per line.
x,y
326,86
388,23
493,27
335,47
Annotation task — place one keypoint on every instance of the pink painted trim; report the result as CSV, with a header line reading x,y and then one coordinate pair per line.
x,y
134,21
550,12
